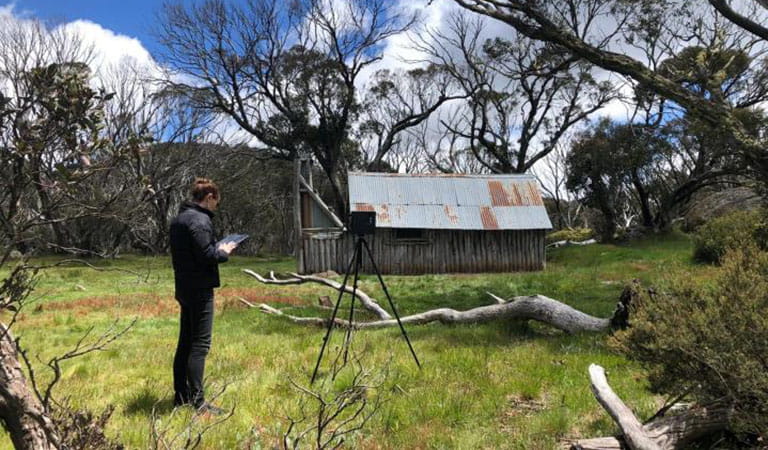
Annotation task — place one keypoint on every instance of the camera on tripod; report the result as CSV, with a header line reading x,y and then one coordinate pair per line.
x,y
362,223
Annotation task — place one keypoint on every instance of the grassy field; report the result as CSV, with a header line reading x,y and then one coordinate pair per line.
x,y
497,385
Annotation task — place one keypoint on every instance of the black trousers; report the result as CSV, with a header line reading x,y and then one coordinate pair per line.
x,y
196,327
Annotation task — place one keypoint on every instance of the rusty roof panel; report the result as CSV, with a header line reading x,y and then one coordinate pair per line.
x,y
514,193
464,202
533,191
499,195
517,199
456,217
363,207
488,218
451,214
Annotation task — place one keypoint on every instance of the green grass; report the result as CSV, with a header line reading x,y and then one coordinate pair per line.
x,y
496,385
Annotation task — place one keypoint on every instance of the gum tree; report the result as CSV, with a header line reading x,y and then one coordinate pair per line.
x,y
284,72
667,26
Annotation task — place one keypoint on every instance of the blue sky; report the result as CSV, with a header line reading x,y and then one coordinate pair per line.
x,y
126,28
133,18
136,19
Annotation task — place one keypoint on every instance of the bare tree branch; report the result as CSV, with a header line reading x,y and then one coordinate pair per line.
x,y
663,433
368,303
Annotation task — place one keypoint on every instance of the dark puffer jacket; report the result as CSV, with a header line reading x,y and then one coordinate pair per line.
x,y
193,249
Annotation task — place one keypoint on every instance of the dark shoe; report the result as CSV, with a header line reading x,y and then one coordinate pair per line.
x,y
180,400
207,408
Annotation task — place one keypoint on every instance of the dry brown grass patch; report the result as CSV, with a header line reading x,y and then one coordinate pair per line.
x,y
144,305
155,305
519,406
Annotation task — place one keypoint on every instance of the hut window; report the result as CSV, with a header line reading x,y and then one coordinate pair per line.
x,y
409,235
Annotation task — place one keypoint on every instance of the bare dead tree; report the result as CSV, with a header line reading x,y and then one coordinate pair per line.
x,y
522,96
552,178
445,151
284,72
159,132
397,101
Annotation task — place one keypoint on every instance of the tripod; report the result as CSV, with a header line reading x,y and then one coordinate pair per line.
x,y
357,261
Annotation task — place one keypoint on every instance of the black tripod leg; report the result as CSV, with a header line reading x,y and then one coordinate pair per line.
x,y
391,303
333,316
358,263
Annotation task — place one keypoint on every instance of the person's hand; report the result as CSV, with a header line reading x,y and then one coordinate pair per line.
x,y
227,247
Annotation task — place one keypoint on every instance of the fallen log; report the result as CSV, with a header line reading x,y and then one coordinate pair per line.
x,y
534,307
665,433
569,242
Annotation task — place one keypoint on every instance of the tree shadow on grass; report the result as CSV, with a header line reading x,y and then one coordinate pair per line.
x,y
146,401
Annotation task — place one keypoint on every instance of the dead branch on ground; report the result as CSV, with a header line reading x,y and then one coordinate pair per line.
x,y
662,433
327,417
368,303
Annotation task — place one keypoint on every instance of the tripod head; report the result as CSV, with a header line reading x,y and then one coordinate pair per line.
x,y
362,223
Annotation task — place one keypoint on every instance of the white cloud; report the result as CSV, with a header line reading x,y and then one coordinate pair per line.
x,y
120,64
399,52
111,49
7,10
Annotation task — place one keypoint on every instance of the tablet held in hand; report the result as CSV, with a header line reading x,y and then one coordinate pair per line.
x,y
233,238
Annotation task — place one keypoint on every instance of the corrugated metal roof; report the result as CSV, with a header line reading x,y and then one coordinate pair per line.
x,y
461,202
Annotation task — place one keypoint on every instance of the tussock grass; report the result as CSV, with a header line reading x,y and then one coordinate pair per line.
x,y
497,385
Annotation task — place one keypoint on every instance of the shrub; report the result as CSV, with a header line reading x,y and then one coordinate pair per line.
x,y
570,234
735,230
709,341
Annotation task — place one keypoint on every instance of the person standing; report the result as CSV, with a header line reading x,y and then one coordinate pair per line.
x,y
196,258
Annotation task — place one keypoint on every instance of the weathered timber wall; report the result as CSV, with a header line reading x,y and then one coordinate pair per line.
x,y
441,251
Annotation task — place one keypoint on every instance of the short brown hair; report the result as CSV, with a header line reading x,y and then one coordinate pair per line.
x,y
202,187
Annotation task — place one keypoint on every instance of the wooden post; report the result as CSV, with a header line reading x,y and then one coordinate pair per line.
x,y
297,216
